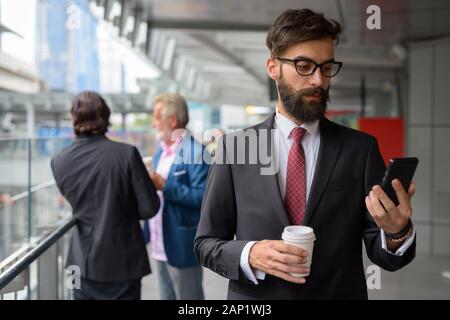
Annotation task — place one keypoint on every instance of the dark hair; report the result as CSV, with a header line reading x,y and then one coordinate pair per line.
x,y
90,113
294,26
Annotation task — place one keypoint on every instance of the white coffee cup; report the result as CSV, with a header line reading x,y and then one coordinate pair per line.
x,y
148,163
302,237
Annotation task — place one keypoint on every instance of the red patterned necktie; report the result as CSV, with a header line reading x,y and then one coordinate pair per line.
x,y
295,198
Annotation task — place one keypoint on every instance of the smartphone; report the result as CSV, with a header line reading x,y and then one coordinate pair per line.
x,y
398,168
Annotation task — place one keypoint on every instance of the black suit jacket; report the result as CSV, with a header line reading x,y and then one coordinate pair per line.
x,y
240,202
109,190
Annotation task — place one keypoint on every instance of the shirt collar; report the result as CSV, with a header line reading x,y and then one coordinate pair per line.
x,y
89,137
170,150
286,125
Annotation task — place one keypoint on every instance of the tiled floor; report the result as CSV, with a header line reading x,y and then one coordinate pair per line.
x,y
422,279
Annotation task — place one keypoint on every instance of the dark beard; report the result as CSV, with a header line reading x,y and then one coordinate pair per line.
x,y
296,106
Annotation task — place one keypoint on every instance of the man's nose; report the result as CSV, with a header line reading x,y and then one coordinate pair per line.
x,y
317,79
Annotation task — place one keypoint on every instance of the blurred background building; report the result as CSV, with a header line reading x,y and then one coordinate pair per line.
x,y
393,85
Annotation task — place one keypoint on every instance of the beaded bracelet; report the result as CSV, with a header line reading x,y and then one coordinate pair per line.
x,y
396,240
402,232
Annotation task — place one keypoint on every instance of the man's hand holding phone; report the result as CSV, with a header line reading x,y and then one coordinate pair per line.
x,y
390,205
389,217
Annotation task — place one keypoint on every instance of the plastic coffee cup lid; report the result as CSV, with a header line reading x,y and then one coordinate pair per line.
x,y
298,233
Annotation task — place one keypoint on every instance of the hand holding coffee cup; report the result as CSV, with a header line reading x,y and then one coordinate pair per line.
x,y
302,237
279,259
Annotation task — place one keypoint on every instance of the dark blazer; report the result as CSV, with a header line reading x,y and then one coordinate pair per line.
x,y
241,202
109,190
183,194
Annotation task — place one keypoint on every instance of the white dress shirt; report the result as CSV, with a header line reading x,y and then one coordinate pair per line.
x,y
166,161
311,144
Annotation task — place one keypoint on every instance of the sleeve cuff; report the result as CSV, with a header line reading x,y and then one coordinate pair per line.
x,y
252,274
405,246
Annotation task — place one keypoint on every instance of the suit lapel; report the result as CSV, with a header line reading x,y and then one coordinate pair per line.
x,y
330,146
271,184
274,194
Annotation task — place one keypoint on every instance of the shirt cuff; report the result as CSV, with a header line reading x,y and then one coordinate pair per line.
x,y
406,244
251,274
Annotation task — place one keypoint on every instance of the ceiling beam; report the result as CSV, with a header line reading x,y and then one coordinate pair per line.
x,y
108,4
208,25
208,42
137,25
124,12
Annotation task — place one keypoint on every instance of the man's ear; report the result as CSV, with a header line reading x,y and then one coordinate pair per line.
x,y
173,121
273,69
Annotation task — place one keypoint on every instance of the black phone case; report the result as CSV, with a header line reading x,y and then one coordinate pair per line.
x,y
402,169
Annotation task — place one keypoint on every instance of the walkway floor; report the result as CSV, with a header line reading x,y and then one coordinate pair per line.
x,y
422,279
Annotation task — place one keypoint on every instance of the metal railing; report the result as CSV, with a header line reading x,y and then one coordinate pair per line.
x,y
27,259
4,265
20,277
33,189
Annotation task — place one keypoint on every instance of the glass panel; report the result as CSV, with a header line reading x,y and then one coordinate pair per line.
x,y
144,140
13,181
47,205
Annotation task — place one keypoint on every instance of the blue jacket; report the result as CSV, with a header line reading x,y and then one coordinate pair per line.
x,y
183,195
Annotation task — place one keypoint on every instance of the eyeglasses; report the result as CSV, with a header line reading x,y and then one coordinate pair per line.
x,y
307,67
